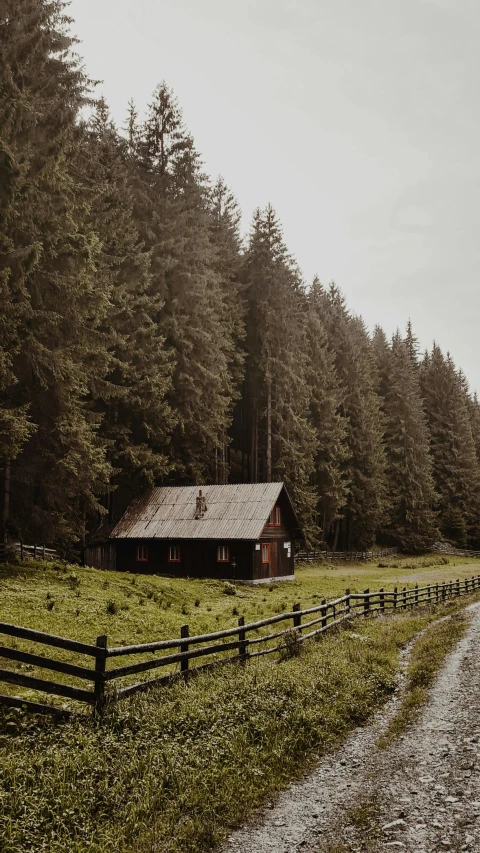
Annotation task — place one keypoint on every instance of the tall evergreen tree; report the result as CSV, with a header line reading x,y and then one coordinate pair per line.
x,y
172,213
131,396
455,465
410,490
225,234
48,273
330,475
277,392
360,406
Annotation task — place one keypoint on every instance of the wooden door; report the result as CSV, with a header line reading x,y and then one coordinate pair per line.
x,y
273,559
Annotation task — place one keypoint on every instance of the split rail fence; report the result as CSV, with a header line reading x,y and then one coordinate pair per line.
x,y
238,644
349,556
35,552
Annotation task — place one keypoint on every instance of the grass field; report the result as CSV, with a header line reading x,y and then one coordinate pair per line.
x,y
175,770
83,603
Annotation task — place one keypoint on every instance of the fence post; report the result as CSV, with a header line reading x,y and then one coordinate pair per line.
x,y
416,595
366,602
297,619
395,593
444,591
458,586
429,593
436,593
43,554
242,648
100,667
404,591
347,602
184,648
323,611
382,600
34,552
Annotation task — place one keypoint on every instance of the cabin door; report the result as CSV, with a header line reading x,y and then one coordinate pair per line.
x,y
273,559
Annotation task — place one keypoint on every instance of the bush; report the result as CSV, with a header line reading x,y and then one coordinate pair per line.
x,y
291,646
111,608
229,589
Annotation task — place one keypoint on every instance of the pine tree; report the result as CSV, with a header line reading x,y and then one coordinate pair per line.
x,y
410,491
277,393
330,478
360,406
131,396
172,213
455,465
225,234
48,274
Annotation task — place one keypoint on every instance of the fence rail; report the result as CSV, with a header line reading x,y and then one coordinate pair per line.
x,y
34,552
245,641
455,552
349,556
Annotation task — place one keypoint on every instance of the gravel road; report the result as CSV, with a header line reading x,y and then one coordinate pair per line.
x,y
420,795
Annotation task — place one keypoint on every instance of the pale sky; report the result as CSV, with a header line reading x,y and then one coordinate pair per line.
x,y
358,120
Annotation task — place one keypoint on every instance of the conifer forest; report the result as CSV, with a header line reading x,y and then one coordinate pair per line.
x,y
144,339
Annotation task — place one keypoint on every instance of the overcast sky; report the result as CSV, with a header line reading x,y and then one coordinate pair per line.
x,y
358,121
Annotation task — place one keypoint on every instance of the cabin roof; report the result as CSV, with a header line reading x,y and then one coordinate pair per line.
x,y
237,511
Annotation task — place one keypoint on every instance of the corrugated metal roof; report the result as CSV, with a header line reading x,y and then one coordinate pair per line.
x,y
237,511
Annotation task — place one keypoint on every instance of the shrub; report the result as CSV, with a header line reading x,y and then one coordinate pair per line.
x,y
50,604
112,607
229,589
291,646
197,602
73,581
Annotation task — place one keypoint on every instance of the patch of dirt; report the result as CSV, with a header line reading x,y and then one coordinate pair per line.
x,y
419,795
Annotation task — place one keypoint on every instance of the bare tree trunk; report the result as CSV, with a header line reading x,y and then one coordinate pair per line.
x,y
335,538
6,501
251,460
269,430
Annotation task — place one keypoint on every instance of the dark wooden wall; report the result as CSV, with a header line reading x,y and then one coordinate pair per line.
x,y
198,559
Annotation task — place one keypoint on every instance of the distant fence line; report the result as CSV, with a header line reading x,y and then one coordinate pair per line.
x,y
242,639
349,556
454,552
35,552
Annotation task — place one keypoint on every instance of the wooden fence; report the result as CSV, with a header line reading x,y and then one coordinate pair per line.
x,y
34,552
454,552
239,644
349,556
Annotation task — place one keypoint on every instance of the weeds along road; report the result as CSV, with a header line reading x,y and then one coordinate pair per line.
x,y
421,794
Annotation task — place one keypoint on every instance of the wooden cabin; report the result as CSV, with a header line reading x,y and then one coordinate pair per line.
x,y
242,532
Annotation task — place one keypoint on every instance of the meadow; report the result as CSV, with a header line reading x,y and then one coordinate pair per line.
x,y
175,769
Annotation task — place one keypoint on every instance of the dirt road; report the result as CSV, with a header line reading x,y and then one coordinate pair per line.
x,y
420,795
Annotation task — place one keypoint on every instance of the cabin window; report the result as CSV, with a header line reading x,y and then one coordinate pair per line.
x,y
223,554
275,518
142,554
265,552
174,554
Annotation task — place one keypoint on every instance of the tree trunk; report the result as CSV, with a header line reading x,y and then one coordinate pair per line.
x,y
337,531
269,430
6,502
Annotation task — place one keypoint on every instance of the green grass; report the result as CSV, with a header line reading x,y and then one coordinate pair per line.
x,y
83,603
428,655
172,771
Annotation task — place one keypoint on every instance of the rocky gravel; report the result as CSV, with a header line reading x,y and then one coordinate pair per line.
x,y
419,795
